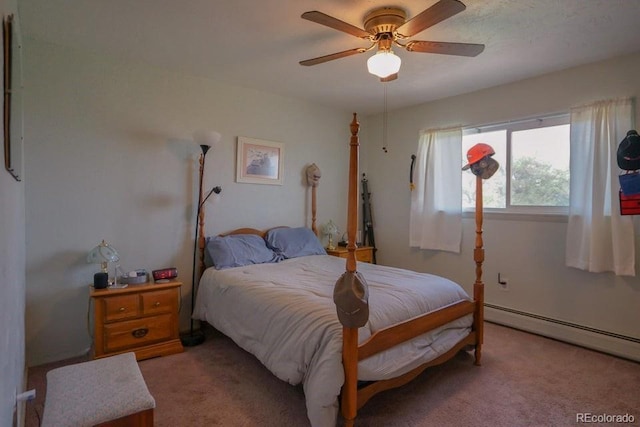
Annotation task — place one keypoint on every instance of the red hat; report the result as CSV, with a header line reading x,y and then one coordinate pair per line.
x,y
477,153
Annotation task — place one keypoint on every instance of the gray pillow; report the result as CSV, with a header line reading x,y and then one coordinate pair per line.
x,y
294,242
237,250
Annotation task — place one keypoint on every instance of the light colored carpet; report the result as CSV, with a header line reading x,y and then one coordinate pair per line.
x,y
525,380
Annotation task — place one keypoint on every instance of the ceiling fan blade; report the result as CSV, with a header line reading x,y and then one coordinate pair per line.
x,y
331,57
445,48
336,24
390,78
438,12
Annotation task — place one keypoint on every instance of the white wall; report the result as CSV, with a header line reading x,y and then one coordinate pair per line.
x,y
109,154
529,253
12,283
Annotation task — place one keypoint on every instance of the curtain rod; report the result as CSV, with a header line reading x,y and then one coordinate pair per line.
x,y
517,121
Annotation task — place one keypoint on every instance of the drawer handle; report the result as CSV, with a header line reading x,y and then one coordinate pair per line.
x,y
139,333
156,304
121,309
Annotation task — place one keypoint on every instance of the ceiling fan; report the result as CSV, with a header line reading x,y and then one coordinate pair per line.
x,y
387,26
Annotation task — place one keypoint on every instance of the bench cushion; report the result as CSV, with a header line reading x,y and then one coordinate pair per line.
x,y
89,393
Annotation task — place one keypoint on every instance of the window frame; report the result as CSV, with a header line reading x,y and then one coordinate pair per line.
x,y
515,126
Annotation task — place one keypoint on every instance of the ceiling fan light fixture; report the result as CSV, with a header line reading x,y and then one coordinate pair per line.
x,y
384,63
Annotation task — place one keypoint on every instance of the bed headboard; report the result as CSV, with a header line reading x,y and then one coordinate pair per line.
x,y
249,230
245,230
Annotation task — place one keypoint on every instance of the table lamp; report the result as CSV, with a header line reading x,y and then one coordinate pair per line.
x,y
330,229
102,254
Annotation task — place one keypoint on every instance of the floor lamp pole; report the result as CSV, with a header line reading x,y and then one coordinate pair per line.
x,y
194,338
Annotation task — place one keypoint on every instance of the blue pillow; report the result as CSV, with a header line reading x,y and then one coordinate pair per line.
x,y
294,242
237,250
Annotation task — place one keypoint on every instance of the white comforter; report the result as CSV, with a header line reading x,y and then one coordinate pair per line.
x,y
284,314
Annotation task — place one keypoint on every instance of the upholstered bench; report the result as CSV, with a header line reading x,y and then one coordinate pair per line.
x,y
104,392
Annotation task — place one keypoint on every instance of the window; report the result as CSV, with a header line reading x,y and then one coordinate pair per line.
x,y
534,166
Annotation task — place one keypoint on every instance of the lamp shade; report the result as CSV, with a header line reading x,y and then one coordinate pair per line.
x,y
207,137
330,228
384,63
103,254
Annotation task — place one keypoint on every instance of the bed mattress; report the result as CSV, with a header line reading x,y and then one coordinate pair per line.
x,y
284,314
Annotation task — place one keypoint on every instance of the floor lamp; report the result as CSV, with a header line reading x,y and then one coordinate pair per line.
x,y
194,337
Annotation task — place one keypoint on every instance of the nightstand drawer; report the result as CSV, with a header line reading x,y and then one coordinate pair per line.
x,y
159,301
365,255
132,333
120,307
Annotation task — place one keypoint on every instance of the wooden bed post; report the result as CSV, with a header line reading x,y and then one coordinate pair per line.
x,y
313,211
313,180
350,335
478,286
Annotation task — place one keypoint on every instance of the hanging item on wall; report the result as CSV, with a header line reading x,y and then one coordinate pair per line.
x,y
630,183
367,219
413,162
629,152
628,157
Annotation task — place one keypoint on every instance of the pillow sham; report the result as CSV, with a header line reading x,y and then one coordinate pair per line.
x,y
237,250
294,242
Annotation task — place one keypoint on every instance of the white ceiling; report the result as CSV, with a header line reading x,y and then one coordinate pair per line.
x,y
258,43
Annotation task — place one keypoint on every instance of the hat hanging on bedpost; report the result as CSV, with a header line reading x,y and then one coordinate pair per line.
x,y
480,161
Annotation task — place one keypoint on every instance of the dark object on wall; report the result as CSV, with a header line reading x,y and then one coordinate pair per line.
x,y
100,280
12,98
413,162
629,152
368,238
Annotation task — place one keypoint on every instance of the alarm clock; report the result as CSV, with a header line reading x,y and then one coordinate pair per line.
x,y
165,274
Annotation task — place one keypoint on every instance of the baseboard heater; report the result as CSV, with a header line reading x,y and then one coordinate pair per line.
x,y
597,339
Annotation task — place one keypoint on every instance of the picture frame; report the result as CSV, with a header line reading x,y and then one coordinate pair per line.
x,y
259,161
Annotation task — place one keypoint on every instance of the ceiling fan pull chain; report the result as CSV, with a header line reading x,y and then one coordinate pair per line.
x,y
384,120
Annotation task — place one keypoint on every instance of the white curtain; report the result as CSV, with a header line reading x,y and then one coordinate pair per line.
x,y
436,201
598,238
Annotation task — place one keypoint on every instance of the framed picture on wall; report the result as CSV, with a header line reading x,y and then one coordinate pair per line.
x,y
259,161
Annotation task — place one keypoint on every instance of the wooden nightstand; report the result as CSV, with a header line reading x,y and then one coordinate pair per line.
x,y
140,318
364,254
